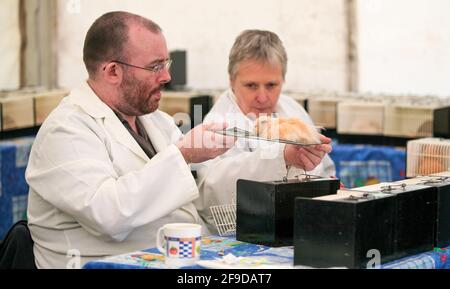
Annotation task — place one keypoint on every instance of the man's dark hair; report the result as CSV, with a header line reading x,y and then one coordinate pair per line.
x,y
107,36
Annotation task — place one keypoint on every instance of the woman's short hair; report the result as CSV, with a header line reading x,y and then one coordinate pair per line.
x,y
258,45
106,38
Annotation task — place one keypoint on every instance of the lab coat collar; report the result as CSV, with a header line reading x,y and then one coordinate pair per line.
x,y
159,142
88,101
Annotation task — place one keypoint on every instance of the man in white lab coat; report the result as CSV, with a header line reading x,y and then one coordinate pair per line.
x,y
257,69
108,169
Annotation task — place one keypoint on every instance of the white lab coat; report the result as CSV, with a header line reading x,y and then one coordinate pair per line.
x,y
254,160
93,190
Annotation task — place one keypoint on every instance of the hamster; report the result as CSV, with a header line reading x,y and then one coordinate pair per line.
x,y
291,129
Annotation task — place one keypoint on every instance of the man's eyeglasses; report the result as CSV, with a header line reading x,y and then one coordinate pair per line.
x,y
154,68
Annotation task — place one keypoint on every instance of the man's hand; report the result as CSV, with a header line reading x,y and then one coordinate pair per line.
x,y
201,143
307,157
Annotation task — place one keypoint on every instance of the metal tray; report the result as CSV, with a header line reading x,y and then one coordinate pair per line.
x,y
237,132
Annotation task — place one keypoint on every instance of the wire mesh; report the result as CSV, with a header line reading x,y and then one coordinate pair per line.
x,y
225,219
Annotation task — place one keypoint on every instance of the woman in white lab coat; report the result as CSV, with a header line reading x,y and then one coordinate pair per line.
x,y
257,68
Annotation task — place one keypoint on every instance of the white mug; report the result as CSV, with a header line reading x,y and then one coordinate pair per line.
x,y
180,243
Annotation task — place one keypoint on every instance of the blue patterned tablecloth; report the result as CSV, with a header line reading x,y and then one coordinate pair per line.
x,y
252,256
14,155
361,165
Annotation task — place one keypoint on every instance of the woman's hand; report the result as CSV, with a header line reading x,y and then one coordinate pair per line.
x,y
307,157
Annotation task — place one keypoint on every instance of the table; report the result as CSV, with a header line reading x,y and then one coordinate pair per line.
x,y
362,165
356,166
14,155
251,256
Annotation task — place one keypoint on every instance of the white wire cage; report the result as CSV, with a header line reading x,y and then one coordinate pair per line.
x,y
427,156
225,217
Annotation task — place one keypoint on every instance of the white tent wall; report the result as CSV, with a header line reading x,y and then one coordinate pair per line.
x,y
404,46
314,34
9,45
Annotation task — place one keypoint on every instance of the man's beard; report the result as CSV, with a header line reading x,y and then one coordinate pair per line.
x,y
136,98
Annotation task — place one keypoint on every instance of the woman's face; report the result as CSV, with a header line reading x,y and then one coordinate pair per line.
x,y
257,86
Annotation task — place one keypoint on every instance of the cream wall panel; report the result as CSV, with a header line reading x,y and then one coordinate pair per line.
x,y
404,46
9,45
313,33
